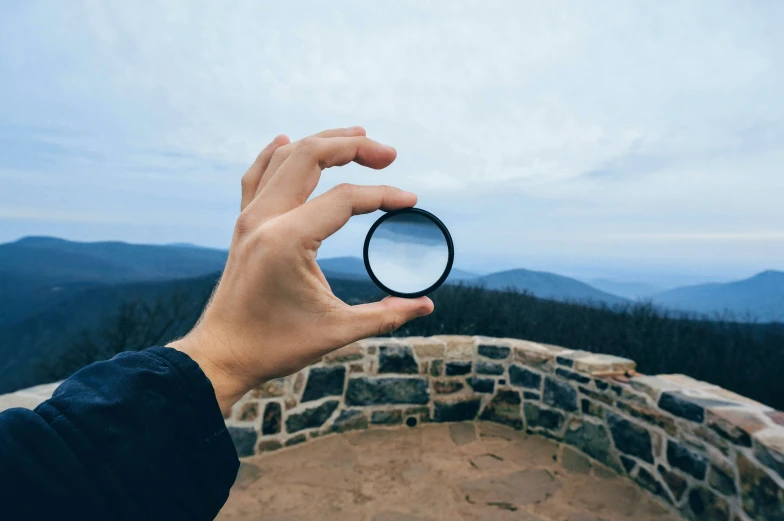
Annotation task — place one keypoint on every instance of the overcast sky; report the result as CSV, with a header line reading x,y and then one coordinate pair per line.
x,y
588,138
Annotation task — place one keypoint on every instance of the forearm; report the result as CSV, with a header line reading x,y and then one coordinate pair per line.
x,y
136,437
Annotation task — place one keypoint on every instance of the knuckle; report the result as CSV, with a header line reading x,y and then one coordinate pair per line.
x,y
246,181
345,190
281,153
390,323
244,224
307,145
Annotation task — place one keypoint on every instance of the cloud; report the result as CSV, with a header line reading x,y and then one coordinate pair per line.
x,y
559,125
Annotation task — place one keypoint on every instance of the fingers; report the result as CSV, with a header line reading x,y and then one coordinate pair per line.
x,y
298,176
383,317
328,212
284,152
252,178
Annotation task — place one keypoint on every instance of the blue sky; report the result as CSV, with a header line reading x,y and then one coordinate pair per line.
x,y
623,139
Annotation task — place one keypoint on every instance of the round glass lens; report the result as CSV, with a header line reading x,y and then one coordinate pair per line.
x,y
408,252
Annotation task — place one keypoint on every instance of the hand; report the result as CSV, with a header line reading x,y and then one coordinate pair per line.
x,y
273,312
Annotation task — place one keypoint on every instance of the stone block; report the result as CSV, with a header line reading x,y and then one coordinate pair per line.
x,y
559,394
348,420
721,478
491,368
675,483
436,367
324,381
349,353
687,382
598,396
529,395
567,357
493,351
648,415
591,409
244,439
378,391
447,386
458,347
649,482
592,439
736,424
268,446
458,368
776,416
534,355
769,448
628,463
596,363
725,395
629,437
397,359
296,440
249,412
270,389
705,505
686,460
311,418
427,347
271,423
371,345
386,417
688,405
524,377
653,386
456,410
504,408
481,385
571,375
762,498
537,416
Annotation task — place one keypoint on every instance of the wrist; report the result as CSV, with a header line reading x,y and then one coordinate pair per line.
x,y
228,383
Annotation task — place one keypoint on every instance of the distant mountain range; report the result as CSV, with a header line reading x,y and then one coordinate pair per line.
x,y
760,297
51,289
36,272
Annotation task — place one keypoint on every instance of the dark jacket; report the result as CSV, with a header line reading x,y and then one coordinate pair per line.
x,y
137,437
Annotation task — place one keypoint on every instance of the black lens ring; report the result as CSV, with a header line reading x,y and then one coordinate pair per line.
x,y
449,244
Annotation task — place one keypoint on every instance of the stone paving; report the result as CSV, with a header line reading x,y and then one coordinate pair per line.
x,y
459,471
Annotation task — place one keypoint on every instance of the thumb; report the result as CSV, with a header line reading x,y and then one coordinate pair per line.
x,y
380,318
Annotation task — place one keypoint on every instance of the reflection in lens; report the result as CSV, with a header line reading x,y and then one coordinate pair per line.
x,y
408,253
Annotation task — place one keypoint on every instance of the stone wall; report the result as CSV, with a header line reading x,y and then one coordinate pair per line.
x,y
710,453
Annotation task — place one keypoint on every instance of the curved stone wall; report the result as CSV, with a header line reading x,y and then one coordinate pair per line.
x,y
710,453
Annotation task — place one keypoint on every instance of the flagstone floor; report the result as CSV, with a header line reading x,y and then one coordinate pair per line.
x,y
450,472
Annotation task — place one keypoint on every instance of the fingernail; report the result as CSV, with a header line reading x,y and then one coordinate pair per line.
x,y
356,129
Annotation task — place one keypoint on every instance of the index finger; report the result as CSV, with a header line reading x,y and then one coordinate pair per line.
x,y
330,211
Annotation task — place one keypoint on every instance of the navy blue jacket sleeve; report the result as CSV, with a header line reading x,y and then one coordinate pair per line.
x,y
137,437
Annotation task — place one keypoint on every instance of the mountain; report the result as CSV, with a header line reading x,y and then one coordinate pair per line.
x,y
354,268
174,305
36,272
344,267
546,285
630,290
760,297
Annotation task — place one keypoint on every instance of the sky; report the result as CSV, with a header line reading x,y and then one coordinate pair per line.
x,y
629,140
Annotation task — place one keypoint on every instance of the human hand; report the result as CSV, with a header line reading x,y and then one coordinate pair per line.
x,y
273,312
